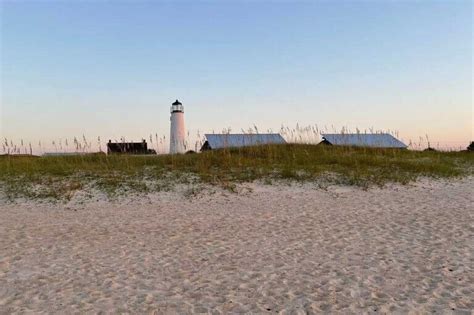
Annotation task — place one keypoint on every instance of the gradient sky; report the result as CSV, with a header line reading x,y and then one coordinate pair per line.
x,y
112,69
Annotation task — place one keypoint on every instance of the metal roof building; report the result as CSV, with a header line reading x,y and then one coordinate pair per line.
x,y
375,140
221,141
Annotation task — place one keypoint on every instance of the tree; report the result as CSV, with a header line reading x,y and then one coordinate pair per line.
x,y
471,147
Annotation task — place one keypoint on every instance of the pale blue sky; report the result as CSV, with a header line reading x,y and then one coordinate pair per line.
x,y
112,69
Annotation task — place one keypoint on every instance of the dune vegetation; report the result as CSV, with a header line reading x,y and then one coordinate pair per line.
x,y
59,177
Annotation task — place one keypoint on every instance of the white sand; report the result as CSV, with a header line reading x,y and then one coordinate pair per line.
x,y
276,249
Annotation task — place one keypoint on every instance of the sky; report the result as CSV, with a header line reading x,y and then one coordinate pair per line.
x,y
111,69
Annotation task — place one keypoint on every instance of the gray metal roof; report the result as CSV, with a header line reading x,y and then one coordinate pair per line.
x,y
375,140
219,141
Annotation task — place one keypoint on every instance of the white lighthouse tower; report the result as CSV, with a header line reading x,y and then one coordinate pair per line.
x,y
177,133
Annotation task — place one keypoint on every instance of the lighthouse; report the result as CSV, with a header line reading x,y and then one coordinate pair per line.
x,y
177,132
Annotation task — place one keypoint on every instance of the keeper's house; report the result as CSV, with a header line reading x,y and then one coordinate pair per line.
x,y
222,141
128,148
371,140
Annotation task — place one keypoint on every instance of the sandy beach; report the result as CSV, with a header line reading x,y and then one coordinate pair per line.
x,y
267,249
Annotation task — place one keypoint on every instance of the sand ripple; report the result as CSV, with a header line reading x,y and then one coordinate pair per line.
x,y
280,249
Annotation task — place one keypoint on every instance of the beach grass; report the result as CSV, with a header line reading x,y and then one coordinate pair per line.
x,y
59,177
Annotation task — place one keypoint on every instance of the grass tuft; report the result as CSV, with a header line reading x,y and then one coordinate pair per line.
x,y
59,177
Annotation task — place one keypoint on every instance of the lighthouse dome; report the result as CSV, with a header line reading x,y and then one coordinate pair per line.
x,y
177,107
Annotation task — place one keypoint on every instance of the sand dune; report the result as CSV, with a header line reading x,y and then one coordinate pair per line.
x,y
275,249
